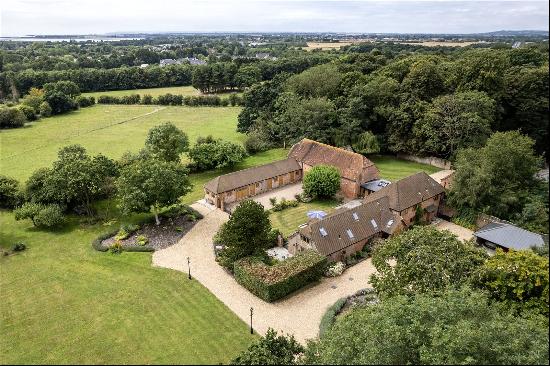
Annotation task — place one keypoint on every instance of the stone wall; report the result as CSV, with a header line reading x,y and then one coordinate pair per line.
x,y
430,160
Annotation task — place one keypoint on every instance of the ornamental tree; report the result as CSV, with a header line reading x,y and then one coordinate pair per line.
x,y
321,181
245,234
147,185
167,142
426,260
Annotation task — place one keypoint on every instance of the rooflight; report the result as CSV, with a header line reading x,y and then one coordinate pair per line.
x,y
323,231
390,223
350,234
355,216
374,223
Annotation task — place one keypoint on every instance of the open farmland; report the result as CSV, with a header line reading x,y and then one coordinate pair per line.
x,y
107,129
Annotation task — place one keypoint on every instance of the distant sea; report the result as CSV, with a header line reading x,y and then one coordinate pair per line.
x,y
68,39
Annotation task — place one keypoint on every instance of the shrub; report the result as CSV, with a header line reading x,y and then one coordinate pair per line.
x,y
366,143
273,201
18,247
335,270
116,247
130,228
122,234
10,194
329,317
29,113
215,154
44,216
11,117
255,143
284,204
84,101
322,181
142,240
147,99
271,283
45,109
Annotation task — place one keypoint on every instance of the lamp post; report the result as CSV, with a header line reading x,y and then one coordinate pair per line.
x,y
189,267
251,313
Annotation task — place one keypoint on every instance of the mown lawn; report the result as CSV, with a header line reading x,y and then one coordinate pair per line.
x,y
106,129
394,169
64,303
289,219
155,92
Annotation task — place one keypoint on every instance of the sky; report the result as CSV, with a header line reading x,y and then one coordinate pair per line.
x,y
25,17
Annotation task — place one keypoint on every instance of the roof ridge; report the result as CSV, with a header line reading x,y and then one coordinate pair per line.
x,y
352,153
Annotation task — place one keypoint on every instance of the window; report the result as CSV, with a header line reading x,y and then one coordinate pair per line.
x,y
323,231
350,234
374,225
355,216
390,223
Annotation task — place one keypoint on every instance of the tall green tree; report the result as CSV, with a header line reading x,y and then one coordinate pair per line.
x,y
456,328
426,260
273,349
167,142
245,234
147,185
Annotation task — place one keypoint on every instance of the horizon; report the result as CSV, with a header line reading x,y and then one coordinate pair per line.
x,y
43,17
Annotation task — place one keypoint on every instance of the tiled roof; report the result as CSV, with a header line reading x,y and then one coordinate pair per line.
x,y
408,191
350,164
347,227
509,236
241,178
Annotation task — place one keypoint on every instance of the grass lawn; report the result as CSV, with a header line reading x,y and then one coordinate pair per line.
x,y
394,169
289,219
106,129
155,92
64,303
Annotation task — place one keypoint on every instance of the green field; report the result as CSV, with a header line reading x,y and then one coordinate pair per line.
x,y
155,92
106,129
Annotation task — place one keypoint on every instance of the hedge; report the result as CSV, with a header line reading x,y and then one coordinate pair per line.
x,y
327,321
171,99
271,283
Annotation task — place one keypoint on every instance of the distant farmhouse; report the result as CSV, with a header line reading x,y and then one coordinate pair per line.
x,y
355,169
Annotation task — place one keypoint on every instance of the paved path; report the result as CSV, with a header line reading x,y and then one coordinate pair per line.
x,y
300,314
460,231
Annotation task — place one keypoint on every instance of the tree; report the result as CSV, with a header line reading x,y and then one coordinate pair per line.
x,y
272,349
518,278
167,142
42,216
248,76
456,121
456,328
497,178
10,193
59,102
426,260
321,181
147,185
366,144
66,87
245,234
425,79
317,81
212,153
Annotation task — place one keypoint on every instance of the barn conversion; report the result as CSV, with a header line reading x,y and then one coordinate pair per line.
x,y
355,170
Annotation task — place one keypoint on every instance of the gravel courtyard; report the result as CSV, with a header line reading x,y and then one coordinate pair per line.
x,y
300,314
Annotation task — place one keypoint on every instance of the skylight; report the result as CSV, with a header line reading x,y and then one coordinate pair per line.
x,y
390,223
350,234
373,223
323,231
355,216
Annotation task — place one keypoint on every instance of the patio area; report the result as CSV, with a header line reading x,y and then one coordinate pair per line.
x,y
287,192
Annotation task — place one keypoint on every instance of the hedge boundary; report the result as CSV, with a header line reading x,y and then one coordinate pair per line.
x,y
271,283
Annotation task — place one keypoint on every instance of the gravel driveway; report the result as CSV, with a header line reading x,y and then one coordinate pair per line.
x,y
300,314
460,231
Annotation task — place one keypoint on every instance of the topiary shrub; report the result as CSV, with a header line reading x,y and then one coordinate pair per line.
x,y
321,181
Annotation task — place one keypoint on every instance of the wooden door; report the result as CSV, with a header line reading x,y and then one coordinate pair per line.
x,y
252,189
280,180
291,177
269,183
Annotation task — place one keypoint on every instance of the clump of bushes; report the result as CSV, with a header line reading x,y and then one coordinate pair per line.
x,y
18,247
116,247
142,240
322,181
42,216
209,153
125,99
11,117
255,143
271,283
84,101
284,204
125,231
29,113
